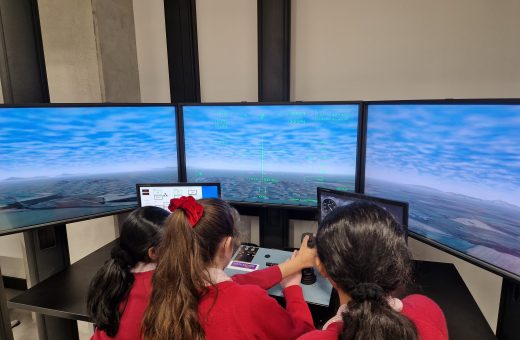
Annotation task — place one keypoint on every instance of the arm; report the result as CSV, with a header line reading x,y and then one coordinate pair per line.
x,y
268,320
268,277
264,278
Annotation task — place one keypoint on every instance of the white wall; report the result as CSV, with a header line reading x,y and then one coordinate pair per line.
x,y
152,54
404,49
228,53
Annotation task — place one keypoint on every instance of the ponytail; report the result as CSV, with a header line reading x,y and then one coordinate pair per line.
x,y
369,316
108,288
111,285
363,251
181,277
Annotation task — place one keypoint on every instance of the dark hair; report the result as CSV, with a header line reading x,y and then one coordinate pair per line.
x,y
112,282
181,276
363,251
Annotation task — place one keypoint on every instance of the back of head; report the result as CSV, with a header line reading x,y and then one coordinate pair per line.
x,y
110,286
186,251
363,250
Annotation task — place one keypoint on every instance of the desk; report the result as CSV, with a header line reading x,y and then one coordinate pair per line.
x,y
64,294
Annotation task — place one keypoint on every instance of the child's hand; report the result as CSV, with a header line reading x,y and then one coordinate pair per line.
x,y
306,257
293,279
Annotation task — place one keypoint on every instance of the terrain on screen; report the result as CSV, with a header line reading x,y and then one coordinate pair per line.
x,y
458,166
62,163
275,154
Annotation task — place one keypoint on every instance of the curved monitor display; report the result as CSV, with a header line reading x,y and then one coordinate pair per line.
x,y
61,163
272,154
458,166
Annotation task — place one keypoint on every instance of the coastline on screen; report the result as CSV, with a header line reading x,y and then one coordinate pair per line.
x,y
276,154
62,163
458,166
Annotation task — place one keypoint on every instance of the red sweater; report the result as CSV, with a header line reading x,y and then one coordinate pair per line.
x,y
130,325
241,309
422,311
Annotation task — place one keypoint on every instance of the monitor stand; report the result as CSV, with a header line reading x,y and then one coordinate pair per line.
x,y
47,253
5,322
508,326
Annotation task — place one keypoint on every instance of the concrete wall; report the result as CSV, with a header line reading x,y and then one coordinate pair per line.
x,y
116,50
152,54
70,51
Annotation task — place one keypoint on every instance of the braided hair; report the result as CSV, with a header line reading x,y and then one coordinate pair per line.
x,y
362,249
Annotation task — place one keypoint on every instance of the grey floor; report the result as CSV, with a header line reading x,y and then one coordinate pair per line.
x,y
27,329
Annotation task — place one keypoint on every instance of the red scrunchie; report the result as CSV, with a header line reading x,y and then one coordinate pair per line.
x,y
189,205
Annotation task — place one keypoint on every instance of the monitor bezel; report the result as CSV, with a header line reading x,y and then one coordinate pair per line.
x,y
419,237
311,208
178,184
86,217
358,196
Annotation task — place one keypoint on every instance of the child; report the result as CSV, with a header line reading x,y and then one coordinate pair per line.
x,y
120,290
192,296
361,250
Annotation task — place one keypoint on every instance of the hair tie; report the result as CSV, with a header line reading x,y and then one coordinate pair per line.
x,y
121,257
367,291
189,205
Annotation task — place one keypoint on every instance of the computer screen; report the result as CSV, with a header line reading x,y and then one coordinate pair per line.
x,y
64,163
159,195
272,154
331,199
458,166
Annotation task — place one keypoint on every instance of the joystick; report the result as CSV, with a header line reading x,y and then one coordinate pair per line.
x,y
308,274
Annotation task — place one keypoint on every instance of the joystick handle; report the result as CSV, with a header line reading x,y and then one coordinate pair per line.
x,y
310,241
308,274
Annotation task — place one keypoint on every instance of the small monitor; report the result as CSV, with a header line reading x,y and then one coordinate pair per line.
x,y
329,199
159,195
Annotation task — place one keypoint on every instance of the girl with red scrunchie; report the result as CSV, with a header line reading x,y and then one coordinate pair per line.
x,y
362,251
193,298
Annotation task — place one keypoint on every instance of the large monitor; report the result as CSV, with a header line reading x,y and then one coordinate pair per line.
x,y
160,194
60,164
329,200
272,153
458,165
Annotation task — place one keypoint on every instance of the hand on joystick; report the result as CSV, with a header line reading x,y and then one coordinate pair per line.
x,y
308,274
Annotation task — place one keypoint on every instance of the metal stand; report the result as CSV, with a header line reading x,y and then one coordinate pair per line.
x,y
47,253
508,327
5,323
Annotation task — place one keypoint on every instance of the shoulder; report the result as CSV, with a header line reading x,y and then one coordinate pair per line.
x,y
417,303
232,291
332,332
426,315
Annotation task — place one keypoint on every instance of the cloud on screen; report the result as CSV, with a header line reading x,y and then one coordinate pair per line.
x,y
468,149
300,138
52,141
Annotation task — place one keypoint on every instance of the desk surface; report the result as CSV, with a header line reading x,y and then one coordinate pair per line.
x,y
64,294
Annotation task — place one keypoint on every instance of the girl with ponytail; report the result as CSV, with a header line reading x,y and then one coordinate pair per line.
x,y
362,251
120,290
194,299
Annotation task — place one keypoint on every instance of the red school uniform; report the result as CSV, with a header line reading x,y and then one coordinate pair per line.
x,y
240,308
422,311
138,298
